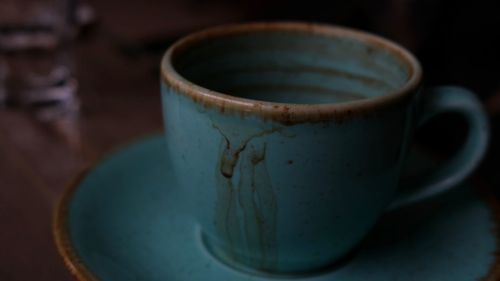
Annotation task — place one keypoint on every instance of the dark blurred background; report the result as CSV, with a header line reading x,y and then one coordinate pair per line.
x,y
78,78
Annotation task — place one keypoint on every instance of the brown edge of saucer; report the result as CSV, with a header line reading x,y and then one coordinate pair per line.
x,y
60,229
285,113
494,203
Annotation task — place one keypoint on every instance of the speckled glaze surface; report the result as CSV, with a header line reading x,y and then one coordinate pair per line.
x,y
122,221
287,140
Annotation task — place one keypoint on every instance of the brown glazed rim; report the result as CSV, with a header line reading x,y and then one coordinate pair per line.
x,y
285,112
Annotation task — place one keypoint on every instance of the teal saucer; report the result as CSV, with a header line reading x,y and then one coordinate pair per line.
x,y
122,222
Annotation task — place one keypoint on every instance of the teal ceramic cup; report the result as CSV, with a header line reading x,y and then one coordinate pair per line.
x,y
287,140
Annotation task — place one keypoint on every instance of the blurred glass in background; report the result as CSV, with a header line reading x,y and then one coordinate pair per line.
x,y
36,67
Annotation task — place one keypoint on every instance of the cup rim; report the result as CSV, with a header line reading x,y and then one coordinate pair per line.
x,y
288,113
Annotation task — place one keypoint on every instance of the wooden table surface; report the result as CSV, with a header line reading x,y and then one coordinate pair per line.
x,y
120,100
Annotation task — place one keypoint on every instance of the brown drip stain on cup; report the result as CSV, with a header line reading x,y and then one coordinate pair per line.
x,y
245,214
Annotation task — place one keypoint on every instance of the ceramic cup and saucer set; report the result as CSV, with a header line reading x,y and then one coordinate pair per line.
x,y
286,156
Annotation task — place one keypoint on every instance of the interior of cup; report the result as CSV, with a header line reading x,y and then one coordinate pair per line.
x,y
293,66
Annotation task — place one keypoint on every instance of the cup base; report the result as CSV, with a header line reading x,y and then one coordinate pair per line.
x,y
225,259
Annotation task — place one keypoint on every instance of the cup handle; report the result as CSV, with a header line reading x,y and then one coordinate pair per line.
x,y
461,165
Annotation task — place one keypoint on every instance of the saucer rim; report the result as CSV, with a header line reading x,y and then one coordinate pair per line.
x,y
72,261
60,230
75,265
